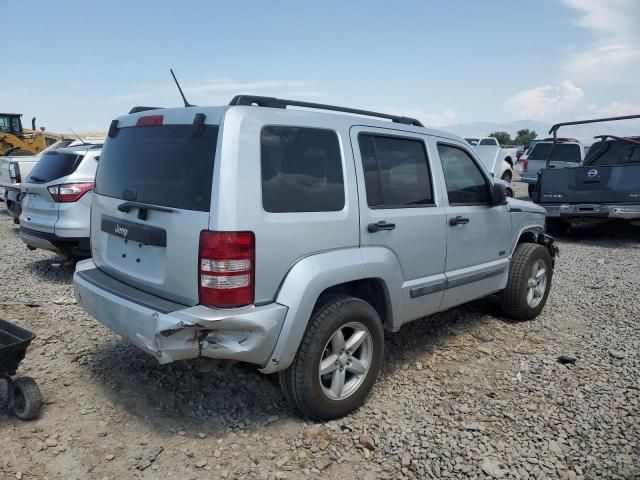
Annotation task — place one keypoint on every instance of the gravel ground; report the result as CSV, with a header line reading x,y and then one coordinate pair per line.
x,y
464,394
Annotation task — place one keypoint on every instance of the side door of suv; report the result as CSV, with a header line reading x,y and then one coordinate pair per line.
x,y
478,232
401,211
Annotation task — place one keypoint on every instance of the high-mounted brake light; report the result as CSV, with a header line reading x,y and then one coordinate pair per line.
x,y
150,121
226,268
69,192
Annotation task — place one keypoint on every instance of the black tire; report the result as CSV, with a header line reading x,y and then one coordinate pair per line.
x,y
301,381
555,225
4,392
513,298
27,399
507,176
530,188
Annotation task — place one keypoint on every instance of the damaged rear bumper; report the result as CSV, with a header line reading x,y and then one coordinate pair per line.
x,y
597,210
170,331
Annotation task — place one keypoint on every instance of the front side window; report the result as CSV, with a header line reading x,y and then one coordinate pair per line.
x,y
5,124
396,171
466,185
301,170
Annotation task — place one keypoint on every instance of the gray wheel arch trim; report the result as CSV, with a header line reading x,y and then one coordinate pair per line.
x,y
312,275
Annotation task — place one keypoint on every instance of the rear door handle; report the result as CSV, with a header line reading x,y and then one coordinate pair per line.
x,y
381,225
458,221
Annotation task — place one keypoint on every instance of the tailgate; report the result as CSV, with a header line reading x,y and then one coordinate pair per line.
x,y
601,184
151,200
39,211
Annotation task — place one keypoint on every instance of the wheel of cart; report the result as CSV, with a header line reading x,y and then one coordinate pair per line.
x,y
22,395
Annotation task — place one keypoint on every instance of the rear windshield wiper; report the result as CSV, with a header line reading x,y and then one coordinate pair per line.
x,y
142,208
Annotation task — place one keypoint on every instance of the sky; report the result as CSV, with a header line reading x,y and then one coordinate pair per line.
x,y
79,64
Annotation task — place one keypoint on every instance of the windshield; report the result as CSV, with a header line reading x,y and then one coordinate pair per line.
x,y
54,165
613,152
162,165
562,152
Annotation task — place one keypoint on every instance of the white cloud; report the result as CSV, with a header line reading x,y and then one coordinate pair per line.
x,y
614,56
615,109
545,102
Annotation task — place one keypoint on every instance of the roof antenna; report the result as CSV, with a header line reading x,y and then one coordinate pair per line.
x,y
78,137
184,99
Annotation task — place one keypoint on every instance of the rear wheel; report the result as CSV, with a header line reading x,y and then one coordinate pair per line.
x,y
338,360
507,176
529,282
27,399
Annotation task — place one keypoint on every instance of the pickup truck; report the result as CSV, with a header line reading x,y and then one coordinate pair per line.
x,y
14,169
563,153
498,160
605,187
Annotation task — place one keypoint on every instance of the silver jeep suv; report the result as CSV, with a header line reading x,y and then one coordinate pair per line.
x,y
291,239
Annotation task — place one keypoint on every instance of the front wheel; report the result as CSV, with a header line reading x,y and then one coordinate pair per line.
x,y
529,282
338,360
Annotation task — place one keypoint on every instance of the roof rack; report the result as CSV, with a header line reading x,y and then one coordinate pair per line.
x,y
143,109
554,128
272,102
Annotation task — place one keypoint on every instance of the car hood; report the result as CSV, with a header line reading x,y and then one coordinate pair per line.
x,y
516,205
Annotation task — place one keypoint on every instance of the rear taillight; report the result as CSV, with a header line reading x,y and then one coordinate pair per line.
x,y
14,172
69,192
150,121
226,268
525,165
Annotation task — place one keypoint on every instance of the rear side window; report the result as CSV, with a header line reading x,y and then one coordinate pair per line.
x,y
301,170
162,165
562,152
54,165
396,171
466,185
613,152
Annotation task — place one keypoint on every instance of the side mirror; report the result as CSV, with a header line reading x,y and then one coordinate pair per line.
x,y
498,194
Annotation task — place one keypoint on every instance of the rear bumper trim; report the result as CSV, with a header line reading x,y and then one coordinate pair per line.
x,y
622,211
53,242
246,334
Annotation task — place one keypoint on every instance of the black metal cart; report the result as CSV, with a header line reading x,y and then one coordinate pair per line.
x,y
21,394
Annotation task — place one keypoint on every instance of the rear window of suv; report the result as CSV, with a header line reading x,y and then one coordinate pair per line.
x,y
562,152
301,170
613,152
54,165
161,165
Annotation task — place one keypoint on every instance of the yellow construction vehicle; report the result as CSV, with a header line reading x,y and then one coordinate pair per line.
x,y
16,140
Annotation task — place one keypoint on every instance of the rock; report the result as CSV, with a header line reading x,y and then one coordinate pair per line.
x,y
201,463
600,261
323,443
617,354
483,336
473,427
51,442
19,475
418,366
567,359
147,458
485,350
311,433
367,442
217,453
202,435
102,434
554,447
491,467
406,459
110,457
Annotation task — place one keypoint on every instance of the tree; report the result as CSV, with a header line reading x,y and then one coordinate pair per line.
x,y
503,137
525,136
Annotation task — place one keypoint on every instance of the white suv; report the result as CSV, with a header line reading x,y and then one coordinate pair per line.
x,y
291,239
